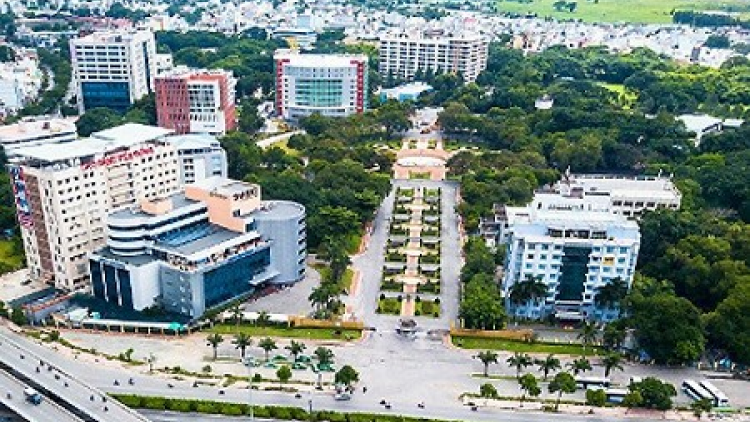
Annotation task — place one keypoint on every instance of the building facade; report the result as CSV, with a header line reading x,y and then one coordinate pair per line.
x,y
574,250
199,156
197,249
113,69
403,55
64,193
34,132
330,84
196,101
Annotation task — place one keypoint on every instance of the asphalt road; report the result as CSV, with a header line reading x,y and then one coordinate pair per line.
x,y
49,370
47,410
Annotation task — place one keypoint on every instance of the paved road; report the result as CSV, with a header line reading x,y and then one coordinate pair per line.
x,y
267,142
47,410
26,357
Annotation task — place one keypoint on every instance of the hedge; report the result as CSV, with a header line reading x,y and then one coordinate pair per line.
x,y
261,412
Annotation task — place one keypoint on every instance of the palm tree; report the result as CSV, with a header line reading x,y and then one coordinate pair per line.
x,y
519,361
528,292
267,344
214,340
262,319
612,361
579,365
324,356
613,337
611,294
588,335
236,311
487,357
549,364
242,341
296,348
321,296
530,386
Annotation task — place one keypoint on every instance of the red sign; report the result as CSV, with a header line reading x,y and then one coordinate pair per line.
x,y
118,158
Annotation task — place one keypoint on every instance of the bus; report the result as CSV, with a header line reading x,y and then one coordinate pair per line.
x,y
695,391
32,396
719,398
592,382
616,395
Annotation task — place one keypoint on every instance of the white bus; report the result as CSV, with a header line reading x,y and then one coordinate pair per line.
x,y
719,398
696,391
616,395
592,382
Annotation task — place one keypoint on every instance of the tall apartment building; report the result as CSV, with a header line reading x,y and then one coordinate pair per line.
x,y
403,54
620,195
196,100
333,85
64,192
199,248
574,248
113,69
199,156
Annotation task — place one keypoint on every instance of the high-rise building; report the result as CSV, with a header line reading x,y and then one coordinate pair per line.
x,y
403,55
199,156
574,249
199,248
113,69
64,192
330,84
196,100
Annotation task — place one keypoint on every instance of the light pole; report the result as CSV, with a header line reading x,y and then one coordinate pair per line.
x,y
249,361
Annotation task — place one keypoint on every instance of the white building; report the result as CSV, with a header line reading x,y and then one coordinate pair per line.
x,y
65,191
200,156
403,54
574,248
20,82
331,84
34,132
113,69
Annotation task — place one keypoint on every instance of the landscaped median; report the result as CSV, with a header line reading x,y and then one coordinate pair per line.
x,y
515,341
261,412
326,331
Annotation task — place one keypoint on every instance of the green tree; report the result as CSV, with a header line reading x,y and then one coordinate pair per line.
x,y
486,357
596,397
18,316
242,341
613,336
262,319
97,119
669,328
487,391
214,340
324,356
528,292
701,406
562,383
346,376
548,364
296,348
284,374
519,361
237,311
579,365
611,294
316,124
611,361
529,385
729,325
588,335
481,305
632,399
268,345
655,394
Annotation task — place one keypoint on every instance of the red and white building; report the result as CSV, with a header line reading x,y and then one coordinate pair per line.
x,y
196,100
331,84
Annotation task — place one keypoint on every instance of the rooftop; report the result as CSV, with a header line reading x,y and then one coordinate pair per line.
x,y
279,210
193,141
613,185
414,88
36,128
111,37
178,201
202,237
132,133
185,72
318,60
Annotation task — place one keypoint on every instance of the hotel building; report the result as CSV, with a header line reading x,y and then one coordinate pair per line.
x,y
402,54
196,100
64,192
199,248
113,69
333,85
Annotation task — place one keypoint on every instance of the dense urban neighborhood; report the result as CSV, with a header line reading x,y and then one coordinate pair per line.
x,y
362,210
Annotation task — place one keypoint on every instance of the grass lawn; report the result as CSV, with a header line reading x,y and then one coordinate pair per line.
x,y
346,281
306,333
427,308
8,256
389,305
636,11
519,346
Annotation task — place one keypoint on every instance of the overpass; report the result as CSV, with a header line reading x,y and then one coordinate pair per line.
x,y
11,395
25,361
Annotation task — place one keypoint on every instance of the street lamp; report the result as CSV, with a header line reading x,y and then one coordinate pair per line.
x,y
249,362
